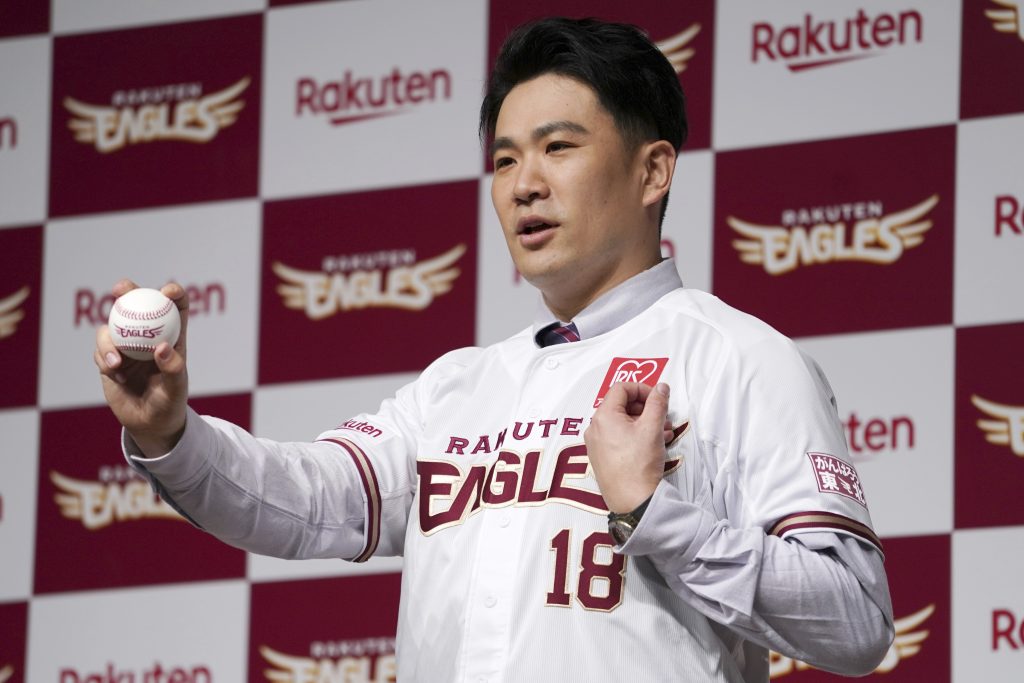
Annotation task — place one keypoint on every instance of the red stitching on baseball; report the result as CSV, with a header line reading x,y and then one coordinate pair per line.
x,y
141,315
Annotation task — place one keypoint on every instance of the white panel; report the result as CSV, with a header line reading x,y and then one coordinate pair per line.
x,y
300,412
422,63
19,466
895,397
199,629
988,605
87,15
989,221
902,68
24,129
213,248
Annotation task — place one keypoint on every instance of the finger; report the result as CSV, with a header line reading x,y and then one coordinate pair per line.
x,y
656,406
122,287
171,365
106,351
177,294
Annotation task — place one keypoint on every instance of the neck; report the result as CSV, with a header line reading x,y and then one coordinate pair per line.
x,y
567,303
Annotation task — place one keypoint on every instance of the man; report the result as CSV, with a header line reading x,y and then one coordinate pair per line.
x,y
737,524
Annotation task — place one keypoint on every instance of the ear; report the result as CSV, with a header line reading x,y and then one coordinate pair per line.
x,y
659,159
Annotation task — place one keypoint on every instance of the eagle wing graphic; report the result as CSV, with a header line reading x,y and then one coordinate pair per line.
x,y
221,106
910,224
676,50
288,667
84,127
74,491
1007,20
11,315
433,270
908,641
752,249
300,287
1007,429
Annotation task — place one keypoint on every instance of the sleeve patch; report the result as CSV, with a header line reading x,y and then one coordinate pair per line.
x,y
837,476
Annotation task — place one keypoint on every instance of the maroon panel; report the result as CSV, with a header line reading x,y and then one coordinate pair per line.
x,y
661,20
367,283
21,265
24,17
353,619
99,525
839,235
156,115
13,641
991,59
989,426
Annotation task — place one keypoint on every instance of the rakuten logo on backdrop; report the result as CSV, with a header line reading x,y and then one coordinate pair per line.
x,y
815,42
157,673
92,307
353,98
1009,216
876,434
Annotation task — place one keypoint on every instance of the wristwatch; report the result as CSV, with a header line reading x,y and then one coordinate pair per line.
x,y
621,524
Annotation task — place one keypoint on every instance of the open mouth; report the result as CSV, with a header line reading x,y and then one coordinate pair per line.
x,y
535,227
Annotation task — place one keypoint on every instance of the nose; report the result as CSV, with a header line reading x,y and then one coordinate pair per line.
x,y
530,184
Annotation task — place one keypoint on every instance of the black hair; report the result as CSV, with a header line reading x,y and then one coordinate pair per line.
x,y
632,78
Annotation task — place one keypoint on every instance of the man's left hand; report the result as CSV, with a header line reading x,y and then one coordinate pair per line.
x,y
626,443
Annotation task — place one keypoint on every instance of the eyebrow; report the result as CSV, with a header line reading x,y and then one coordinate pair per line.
x,y
540,133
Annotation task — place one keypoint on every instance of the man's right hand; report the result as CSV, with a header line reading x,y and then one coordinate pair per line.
x,y
148,397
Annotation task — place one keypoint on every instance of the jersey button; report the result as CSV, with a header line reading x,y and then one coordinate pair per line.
x,y
551,363
490,601
504,519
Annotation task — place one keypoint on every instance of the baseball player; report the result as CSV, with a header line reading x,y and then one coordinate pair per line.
x,y
645,484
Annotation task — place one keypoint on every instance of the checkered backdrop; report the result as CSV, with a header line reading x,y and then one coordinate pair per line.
x,y
853,177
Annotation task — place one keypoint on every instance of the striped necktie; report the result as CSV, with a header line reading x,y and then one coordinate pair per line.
x,y
558,334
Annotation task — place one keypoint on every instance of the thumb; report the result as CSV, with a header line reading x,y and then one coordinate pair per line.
x,y
656,406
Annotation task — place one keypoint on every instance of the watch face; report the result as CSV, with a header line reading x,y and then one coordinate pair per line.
x,y
620,530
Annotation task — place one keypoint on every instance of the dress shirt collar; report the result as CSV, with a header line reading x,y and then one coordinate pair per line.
x,y
618,305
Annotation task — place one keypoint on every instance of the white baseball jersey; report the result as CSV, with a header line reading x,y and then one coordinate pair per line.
x,y
477,473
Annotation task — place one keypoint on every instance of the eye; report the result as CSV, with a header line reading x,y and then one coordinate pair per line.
x,y
557,146
502,162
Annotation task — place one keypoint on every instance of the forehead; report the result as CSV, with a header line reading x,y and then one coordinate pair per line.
x,y
546,98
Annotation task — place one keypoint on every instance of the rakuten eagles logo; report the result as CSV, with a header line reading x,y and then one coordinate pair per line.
x,y
814,43
118,496
859,231
174,112
384,279
371,660
353,98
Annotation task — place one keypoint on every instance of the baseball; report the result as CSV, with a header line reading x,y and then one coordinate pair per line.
x,y
140,320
